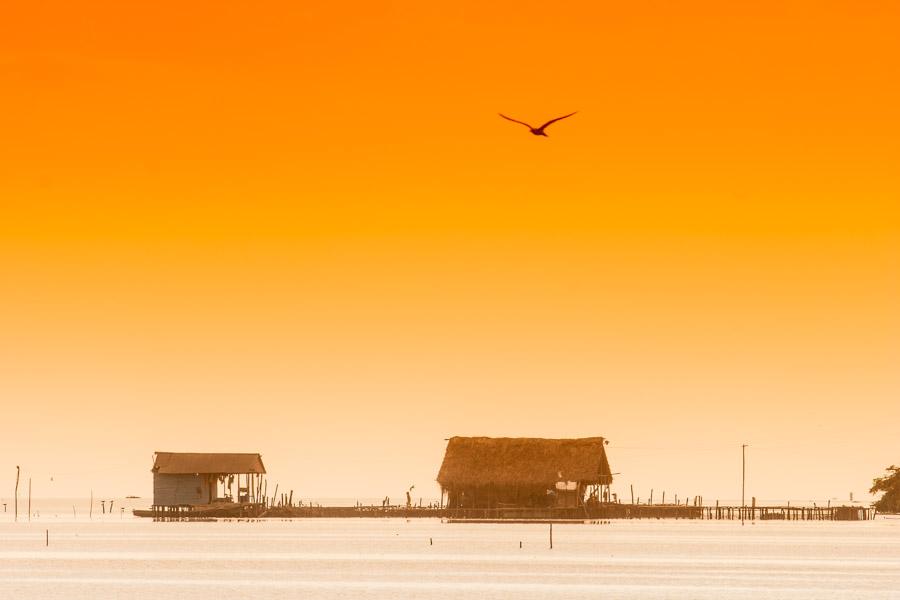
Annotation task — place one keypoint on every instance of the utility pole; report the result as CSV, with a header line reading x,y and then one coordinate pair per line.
x,y
743,479
743,473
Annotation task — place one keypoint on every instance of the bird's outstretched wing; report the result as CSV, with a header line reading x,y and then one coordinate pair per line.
x,y
514,121
551,121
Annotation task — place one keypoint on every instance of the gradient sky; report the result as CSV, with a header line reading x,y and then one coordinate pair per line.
x,y
302,229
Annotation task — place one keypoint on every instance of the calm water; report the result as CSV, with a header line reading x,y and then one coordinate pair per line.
x,y
115,556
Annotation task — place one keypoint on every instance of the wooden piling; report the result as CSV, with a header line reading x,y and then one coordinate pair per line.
x,y
17,494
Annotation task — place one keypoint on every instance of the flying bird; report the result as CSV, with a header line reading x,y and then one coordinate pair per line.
x,y
537,130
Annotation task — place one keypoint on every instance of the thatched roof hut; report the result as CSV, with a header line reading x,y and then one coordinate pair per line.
x,y
517,470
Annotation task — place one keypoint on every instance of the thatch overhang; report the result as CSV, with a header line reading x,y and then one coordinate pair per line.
x,y
482,461
221,463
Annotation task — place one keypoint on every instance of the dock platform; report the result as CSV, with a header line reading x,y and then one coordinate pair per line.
x,y
595,513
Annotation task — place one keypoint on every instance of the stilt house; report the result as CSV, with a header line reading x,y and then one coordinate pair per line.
x,y
194,478
482,472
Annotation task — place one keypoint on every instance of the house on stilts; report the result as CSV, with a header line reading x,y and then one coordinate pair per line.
x,y
535,473
188,479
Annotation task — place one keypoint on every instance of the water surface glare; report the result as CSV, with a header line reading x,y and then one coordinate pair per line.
x,y
424,558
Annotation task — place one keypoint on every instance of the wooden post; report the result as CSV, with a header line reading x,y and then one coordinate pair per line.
x,y
632,494
551,536
651,496
17,493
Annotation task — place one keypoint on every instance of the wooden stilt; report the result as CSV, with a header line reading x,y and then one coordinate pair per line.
x,y
17,494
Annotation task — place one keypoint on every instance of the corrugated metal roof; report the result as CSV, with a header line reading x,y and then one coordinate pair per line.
x,y
224,463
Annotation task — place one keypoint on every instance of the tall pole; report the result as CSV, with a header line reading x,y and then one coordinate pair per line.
x,y
743,478
743,472
17,493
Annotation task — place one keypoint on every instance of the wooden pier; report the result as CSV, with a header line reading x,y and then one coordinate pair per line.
x,y
610,511
202,512
597,512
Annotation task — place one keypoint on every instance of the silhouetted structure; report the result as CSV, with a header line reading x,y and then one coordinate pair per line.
x,y
194,478
482,472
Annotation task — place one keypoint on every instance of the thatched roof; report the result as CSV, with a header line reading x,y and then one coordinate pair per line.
x,y
222,463
476,461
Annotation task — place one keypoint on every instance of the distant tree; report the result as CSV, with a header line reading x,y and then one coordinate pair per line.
x,y
890,485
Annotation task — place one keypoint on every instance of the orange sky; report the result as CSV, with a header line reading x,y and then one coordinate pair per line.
x,y
303,230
